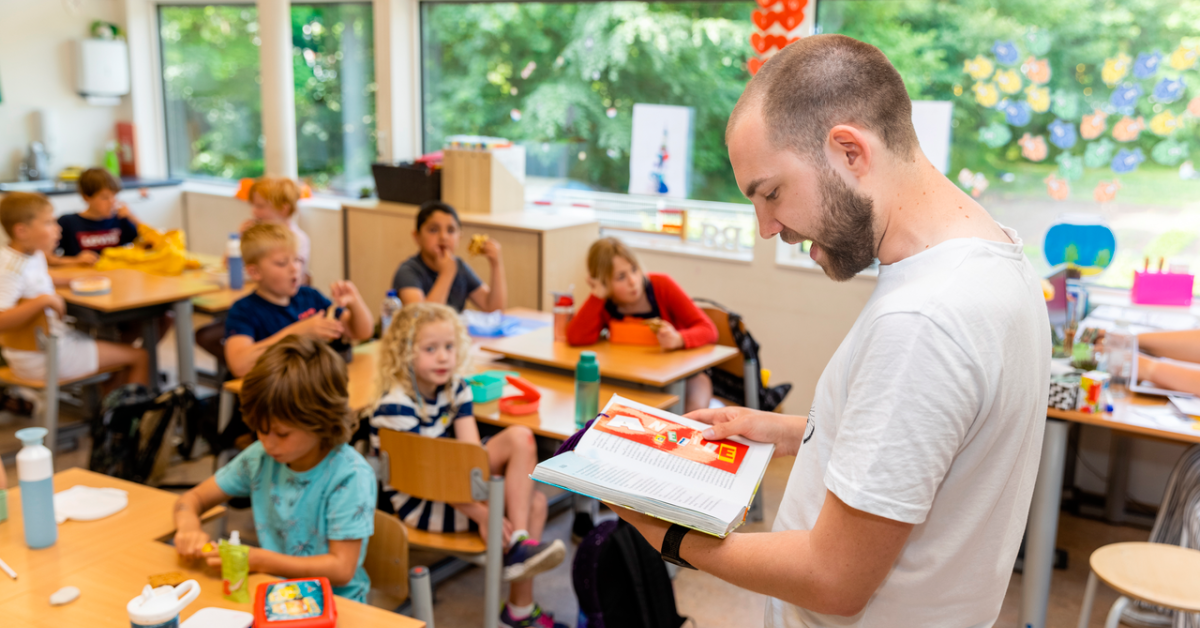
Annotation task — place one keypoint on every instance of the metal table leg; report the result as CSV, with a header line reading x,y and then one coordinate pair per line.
x,y
225,411
1118,478
185,337
1042,530
678,389
150,346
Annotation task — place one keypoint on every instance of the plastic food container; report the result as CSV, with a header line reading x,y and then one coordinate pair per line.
x,y
631,332
488,385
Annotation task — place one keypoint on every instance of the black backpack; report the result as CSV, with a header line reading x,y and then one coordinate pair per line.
x,y
729,386
621,581
129,438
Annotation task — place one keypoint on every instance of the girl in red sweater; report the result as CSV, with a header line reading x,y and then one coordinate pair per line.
x,y
621,290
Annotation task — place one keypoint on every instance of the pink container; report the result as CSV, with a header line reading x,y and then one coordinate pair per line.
x,y
1162,288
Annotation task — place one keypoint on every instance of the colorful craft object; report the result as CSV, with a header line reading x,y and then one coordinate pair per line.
x,y
995,135
1062,134
1169,152
978,68
1058,188
1039,98
1038,42
1115,69
1128,129
1194,107
1005,52
1016,113
1033,148
1127,160
986,94
1093,125
1070,167
1125,97
1036,70
1098,154
1081,243
1008,81
1106,191
1146,65
1164,124
1169,90
1183,58
1065,105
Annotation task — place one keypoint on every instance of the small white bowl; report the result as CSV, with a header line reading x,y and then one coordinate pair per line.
x,y
91,286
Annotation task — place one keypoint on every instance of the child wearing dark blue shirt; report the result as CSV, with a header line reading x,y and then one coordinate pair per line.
x,y
280,306
106,221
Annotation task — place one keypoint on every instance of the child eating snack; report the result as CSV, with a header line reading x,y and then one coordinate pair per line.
x,y
437,275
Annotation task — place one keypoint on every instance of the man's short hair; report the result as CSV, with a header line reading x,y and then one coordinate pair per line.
x,y
19,208
301,382
259,240
94,180
822,81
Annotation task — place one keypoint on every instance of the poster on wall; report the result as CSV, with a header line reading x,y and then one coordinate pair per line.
x,y
660,154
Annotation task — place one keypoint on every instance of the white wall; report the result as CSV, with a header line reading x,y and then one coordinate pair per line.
x,y
37,70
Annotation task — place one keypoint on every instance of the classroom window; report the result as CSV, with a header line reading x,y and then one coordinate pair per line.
x,y
1060,107
213,102
563,79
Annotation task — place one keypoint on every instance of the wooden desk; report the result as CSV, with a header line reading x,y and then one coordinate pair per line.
x,y
139,296
110,559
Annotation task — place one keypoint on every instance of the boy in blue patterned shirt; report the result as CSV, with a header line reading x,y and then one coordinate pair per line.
x,y
313,495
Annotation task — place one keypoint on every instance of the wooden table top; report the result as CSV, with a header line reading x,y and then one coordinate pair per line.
x,y
110,560
1105,420
630,363
132,289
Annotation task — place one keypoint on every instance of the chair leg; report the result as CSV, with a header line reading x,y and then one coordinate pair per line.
x,y
1089,596
1114,613
51,346
750,381
225,410
495,553
421,594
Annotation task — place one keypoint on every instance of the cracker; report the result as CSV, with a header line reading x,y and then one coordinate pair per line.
x,y
655,324
477,243
172,579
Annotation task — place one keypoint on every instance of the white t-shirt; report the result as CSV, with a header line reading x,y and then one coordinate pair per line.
x,y
22,276
26,277
931,412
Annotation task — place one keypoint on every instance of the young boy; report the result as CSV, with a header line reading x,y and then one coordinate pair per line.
x,y
313,495
437,275
280,306
26,289
273,199
106,221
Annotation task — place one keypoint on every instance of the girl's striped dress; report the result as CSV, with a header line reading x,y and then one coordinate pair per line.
x,y
398,411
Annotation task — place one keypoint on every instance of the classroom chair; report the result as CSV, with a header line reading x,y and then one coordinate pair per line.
x,y
37,335
1163,575
387,565
744,366
446,470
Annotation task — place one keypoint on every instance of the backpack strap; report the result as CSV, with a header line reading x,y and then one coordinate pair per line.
x,y
625,544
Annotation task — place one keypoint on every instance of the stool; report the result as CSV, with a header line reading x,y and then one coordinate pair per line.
x,y
1165,575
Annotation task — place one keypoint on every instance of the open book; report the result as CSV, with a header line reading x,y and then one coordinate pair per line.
x,y
657,463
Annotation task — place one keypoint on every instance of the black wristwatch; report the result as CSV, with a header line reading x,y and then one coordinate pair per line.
x,y
670,545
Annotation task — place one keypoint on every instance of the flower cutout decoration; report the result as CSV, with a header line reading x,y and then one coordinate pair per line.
x,y
1146,65
1005,52
1062,134
1169,90
1125,96
1127,161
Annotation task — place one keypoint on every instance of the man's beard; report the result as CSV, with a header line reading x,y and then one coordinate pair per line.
x,y
847,233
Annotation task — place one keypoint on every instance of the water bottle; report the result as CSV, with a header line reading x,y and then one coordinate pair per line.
x,y
564,311
233,254
391,305
1118,349
35,469
587,388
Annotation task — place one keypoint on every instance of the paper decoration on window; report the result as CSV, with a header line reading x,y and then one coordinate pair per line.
x,y
1164,124
1065,105
1005,52
1093,125
1193,107
1169,90
1058,188
1146,65
1038,98
1106,191
1037,42
974,182
778,24
1016,113
1082,241
1033,148
1062,134
1070,167
515,114
995,135
1036,70
1115,69
1008,81
986,94
1183,58
1128,129
1098,154
660,154
978,68
1127,160
1125,97
1169,152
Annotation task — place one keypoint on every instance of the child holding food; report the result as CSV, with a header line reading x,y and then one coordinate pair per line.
x,y
437,275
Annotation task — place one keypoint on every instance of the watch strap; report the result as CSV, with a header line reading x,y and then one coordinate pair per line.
x,y
670,545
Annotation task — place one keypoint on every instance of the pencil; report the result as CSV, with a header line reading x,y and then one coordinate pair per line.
x,y
8,570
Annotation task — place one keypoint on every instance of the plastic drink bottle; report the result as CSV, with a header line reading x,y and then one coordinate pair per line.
x,y
391,305
35,469
233,253
587,388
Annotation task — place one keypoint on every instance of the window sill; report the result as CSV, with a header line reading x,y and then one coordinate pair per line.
x,y
673,246
228,190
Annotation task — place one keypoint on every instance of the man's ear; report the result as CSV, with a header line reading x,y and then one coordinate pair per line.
x,y
849,149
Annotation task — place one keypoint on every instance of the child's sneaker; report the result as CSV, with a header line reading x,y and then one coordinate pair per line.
x,y
536,619
529,558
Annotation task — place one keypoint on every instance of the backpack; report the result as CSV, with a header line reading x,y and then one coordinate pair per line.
x,y
130,437
728,385
621,581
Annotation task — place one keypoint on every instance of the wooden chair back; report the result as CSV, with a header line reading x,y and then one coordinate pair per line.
x,y
437,469
387,562
24,338
737,364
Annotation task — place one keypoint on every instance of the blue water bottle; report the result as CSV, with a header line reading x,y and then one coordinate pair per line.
x,y
35,469
233,255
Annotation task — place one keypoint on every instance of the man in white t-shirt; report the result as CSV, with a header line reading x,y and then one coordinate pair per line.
x,y
916,464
